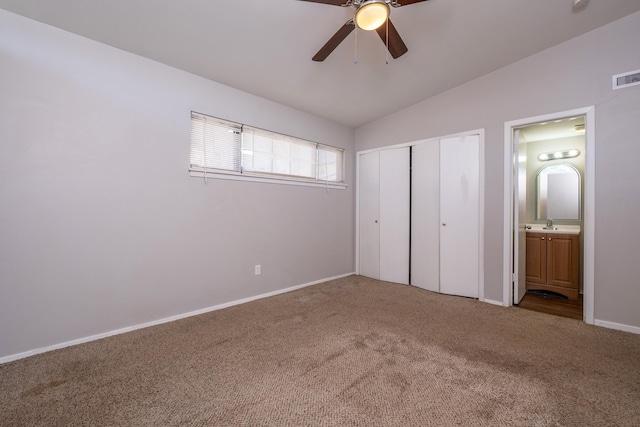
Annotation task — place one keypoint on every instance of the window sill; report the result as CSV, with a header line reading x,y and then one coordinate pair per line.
x,y
268,180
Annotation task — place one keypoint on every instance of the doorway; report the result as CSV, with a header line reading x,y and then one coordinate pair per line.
x,y
518,218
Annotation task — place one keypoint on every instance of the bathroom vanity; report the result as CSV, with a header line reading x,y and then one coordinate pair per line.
x,y
553,260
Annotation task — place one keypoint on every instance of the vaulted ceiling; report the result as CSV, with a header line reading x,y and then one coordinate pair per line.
x,y
265,47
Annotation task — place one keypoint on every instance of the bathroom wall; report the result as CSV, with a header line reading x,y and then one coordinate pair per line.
x,y
534,166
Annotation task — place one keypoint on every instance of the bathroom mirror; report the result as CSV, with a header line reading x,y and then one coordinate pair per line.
x,y
559,193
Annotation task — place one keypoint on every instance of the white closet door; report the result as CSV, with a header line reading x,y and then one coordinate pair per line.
x,y
425,215
459,215
369,214
394,215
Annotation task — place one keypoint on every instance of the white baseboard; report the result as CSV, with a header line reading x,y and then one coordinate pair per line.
x,y
617,326
490,301
22,355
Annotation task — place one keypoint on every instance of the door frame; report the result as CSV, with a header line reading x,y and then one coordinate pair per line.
x,y
589,205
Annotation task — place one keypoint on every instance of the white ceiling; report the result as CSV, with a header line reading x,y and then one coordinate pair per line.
x,y
556,129
264,47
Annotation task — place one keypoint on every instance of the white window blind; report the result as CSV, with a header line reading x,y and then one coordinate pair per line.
x,y
330,164
220,148
215,144
268,152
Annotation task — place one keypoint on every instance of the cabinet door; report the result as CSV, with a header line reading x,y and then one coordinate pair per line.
x,y
536,258
563,260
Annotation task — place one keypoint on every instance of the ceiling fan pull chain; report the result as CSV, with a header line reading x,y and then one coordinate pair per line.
x,y
355,48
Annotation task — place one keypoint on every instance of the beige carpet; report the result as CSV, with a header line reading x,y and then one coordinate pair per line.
x,y
348,352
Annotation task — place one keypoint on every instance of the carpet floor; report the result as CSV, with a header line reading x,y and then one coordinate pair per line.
x,y
349,352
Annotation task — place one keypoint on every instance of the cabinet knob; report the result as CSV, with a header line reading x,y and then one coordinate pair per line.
x,y
542,238
376,221
549,238
444,224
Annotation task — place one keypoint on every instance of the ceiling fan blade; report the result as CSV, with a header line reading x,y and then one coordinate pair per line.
x,y
407,2
332,2
397,48
334,41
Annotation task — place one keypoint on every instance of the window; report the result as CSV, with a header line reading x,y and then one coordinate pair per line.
x,y
224,149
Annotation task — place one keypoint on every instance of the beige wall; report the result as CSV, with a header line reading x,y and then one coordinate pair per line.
x,y
572,75
101,226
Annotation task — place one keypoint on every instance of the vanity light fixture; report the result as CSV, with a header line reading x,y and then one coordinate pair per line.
x,y
557,155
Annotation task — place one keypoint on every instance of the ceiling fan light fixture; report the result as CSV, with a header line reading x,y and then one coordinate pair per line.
x,y
372,14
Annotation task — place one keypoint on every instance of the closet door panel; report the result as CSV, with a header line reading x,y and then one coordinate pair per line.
x,y
425,216
394,215
369,215
459,215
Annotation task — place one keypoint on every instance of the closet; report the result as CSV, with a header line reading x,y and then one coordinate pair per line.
x,y
419,215
383,214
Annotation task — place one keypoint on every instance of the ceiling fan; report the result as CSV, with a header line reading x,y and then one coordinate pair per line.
x,y
369,15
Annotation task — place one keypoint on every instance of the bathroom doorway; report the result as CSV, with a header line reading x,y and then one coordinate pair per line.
x,y
549,171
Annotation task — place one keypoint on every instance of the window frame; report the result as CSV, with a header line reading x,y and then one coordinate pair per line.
x,y
199,171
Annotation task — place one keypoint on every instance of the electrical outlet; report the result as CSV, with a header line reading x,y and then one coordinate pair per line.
x,y
257,269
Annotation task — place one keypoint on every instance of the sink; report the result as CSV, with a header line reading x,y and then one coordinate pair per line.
x,y
556,229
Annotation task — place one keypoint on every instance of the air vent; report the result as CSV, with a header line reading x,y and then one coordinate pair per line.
x,y
626,79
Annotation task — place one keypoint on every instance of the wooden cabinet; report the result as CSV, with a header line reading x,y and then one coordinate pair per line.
x,y
553,263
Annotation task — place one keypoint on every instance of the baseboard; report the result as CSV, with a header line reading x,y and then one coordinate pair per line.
x,y
22,355
493,302
617,326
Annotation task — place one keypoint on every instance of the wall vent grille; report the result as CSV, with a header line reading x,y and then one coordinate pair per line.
x,y
626,79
